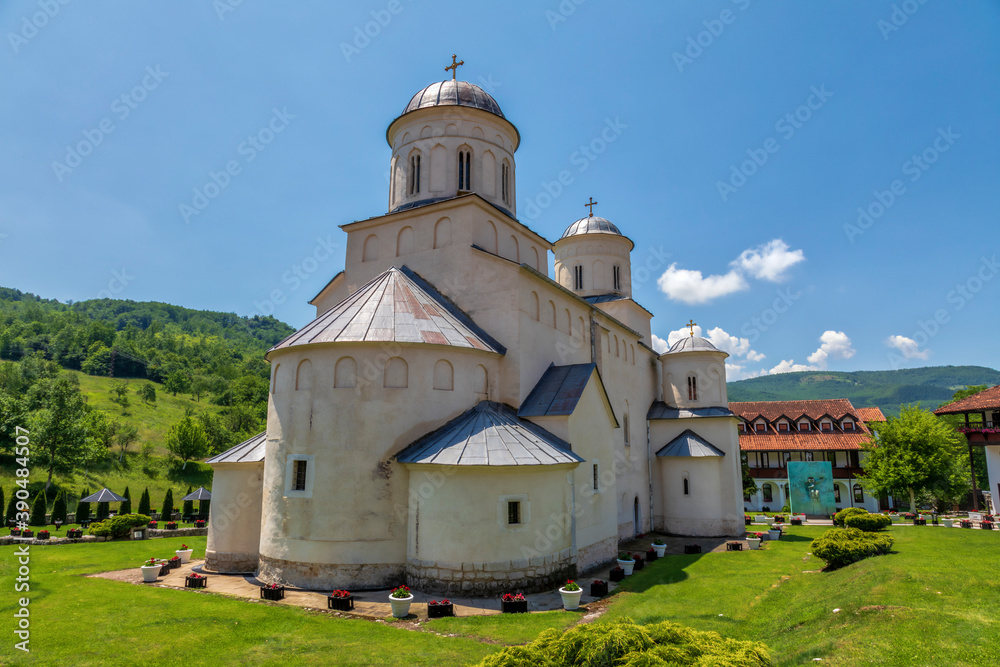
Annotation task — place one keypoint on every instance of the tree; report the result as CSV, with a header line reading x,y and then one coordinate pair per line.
x,y
187,440
126,505
82,508
168,505
102,511
177,382
126,435
56,423
119,391
188,505
914,453
38,510
2,498
59,508
11,508
98,361
749,486
147,392
144,502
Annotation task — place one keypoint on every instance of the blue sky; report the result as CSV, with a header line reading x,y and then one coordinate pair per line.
x,y
745,136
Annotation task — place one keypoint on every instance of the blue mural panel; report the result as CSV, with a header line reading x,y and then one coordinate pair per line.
x,y
810,488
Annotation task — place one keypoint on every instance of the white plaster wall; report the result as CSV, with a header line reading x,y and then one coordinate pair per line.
x,y
597,253
993,471
710,370
235,512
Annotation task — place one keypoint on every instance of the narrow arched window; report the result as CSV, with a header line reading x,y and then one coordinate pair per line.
x,y
464,170
415,174
625,428
768,493
859,495
505,181
617,277
578,276
687,487
692,388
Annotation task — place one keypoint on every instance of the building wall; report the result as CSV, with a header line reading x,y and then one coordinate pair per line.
x,y
597,254
235,516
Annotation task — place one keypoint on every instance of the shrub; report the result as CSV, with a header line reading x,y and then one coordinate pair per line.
x,y
144,502
126,506
870,523
188,509
119,526
59,508
83,509
11,506
168,504
843,547
624,643
38,510
103,509
839,517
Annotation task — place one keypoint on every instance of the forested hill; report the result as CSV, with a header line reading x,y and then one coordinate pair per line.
x,y
888,390
137,339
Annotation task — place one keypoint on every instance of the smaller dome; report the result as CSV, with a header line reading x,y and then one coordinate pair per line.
x,y
692,344
453,93
591,225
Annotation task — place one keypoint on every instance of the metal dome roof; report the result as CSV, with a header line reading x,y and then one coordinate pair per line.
x,y
692,344
453,93
591,225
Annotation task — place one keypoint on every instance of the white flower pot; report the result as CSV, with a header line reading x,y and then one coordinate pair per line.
x,y
660,549
754,542
400,606
570,599
626,565
150,573
947,523
185,555
774,534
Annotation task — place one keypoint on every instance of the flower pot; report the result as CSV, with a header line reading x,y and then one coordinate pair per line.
x,y
920,522
401,606
651,555
185,555
639,563
440,610
660,549
150,573
571,599
340,604
43,536
626,565
598,589
200,582
754,543
27,533
734,546
796,522
947,523
774,534
514,606
174,564
747,520
692,548
986,525
273,594
616,574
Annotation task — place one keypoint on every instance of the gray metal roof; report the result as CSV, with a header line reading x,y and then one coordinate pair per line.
x,y
692,344
591,225
489,434
200,494
395,306
453,93
604,298
660,410
557,392
105,495
248,451
690,443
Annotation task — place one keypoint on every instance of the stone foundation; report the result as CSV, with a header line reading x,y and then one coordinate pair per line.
x,y
231,563
704,527
489,579
594,555
327,577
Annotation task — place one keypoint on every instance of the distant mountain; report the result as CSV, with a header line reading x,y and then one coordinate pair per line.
x,y
888,390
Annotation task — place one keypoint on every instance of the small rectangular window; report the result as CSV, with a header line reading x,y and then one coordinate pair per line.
x,y
827,426
783,427
803,426
595,477
300,476
760,427
513,512
578,277
692,388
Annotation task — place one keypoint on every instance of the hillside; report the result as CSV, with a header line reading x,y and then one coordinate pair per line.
x,y
888,390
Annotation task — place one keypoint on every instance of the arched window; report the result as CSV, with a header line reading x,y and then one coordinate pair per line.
x,y
464,170
444,376
480,380
632,354
404,241
859,495
304,376
345,372
625,430
396,372
552,315
370,250
569,323
767,492
836,493
578,276
442,233
692,388
515,252
274,378
533,306
505,182
687,487
617,277
415,173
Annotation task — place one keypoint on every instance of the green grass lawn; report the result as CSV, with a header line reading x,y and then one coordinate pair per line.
x,y
934,602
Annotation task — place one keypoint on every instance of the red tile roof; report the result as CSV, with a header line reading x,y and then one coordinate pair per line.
x,y
871,414
797,442
771,410
814,440
988,399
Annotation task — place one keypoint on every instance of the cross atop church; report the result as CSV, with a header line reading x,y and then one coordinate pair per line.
x,y
591,204
691,325
454,66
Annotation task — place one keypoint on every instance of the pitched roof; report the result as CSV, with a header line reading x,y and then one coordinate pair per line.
x,y
771,410
559,390
690,444
811,441
660,410
988,399
871,414
248,451
489,434
396,306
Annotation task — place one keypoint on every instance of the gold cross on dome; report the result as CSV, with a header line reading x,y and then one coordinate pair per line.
x,y
591,204
454,66
691,325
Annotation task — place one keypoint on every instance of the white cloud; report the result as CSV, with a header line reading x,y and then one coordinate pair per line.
x,y
907,347
769,261
754,356
735,372
683,332
835,345
692,287
660,345
789,366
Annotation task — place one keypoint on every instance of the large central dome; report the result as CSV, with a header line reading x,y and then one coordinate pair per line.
x,y
453,93
594,224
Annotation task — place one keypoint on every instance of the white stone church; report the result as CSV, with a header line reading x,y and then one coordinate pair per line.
x,y
458,419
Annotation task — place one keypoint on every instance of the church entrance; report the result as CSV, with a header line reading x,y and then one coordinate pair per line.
x,y
636,523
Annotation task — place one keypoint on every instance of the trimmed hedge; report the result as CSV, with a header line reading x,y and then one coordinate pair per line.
x,y
624,643
841,516
118,526
843,547
870,523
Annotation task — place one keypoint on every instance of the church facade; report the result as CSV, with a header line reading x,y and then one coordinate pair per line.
x,y
457,418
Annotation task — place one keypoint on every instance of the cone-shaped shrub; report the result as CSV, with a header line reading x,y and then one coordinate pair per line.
x,y
83,509
188,504
102,511
126,506
38,510
168,505
144,502
59,508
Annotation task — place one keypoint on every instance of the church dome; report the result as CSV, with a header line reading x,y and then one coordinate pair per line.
x,y
692,344
453,93
594,224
